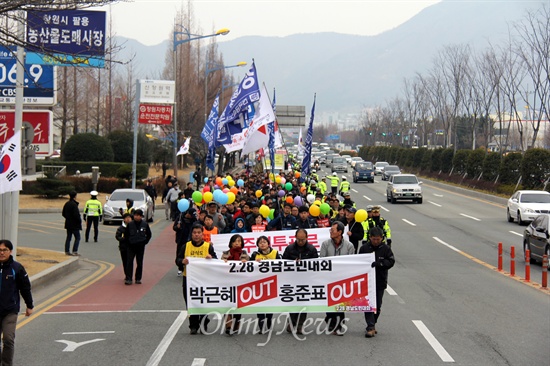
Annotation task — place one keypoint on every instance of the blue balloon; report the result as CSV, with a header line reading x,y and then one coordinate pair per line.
x,y
240,182
205,179
223,199
217,195
183,205
225,181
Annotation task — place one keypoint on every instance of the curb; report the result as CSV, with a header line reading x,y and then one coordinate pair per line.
x,y
53,273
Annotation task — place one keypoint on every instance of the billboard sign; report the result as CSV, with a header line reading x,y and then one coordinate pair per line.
x,y
67,36
39,82
42,123
155,114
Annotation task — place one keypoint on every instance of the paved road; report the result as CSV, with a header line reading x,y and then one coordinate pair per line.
x,y
445,304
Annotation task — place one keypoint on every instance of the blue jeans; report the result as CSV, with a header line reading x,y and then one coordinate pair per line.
x,y
70,234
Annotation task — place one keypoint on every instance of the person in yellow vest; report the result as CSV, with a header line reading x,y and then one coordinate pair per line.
x,y
344,186
264,252
323,185
93,214
334,182
198,248
209,228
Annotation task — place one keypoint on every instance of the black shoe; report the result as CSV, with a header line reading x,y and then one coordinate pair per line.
x,y
127,282
86,240
68,253
193,331
138,282
370,333
95,240
76,254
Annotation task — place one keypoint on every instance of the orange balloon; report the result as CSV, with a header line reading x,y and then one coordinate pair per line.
x,y
314,210
259,193
234,190
289,199
302,189
297,174
219,182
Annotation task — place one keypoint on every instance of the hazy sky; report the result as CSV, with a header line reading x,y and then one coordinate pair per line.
x,y
151,21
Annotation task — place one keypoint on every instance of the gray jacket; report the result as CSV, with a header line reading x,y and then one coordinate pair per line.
x,y
328,249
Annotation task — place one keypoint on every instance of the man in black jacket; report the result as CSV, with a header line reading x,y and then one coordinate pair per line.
x,y
355,229
383,261
299,250
123,243
73,224
138,234
15,283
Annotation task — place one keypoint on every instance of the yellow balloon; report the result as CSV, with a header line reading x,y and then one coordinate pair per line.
x,y
314,210
264,211
258,193
207,196
317,202
231,183
230,197
278,179
361,215
271,176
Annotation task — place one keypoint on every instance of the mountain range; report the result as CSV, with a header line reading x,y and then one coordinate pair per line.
x,y
351,72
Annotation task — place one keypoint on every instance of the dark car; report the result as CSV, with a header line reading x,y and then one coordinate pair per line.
x,y
363,170
390,170
536,238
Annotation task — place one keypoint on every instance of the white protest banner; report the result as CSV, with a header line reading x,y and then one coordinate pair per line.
x,y
342,283
279,239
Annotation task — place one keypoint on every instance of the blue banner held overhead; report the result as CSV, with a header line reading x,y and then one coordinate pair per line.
x,y
208,133
306,162
244,96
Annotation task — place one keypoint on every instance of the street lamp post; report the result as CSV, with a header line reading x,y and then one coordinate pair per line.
x,y
208,70
176,42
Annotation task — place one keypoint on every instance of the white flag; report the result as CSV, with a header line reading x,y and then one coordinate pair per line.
x,y
257,136
301,146
184,149
10,165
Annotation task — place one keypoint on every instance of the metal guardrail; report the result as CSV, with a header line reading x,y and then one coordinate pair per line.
x,y
57,170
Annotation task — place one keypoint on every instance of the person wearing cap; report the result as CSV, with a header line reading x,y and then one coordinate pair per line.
x,y
323,185
355,229
378,221
383,261
219,220
304,220
314,175
93,213
129,208
366,223
139,234
312,189
344,186
336,245
347,200
73,223
334,182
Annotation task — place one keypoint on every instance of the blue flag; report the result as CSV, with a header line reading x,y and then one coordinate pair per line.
x,y
271,131
231,121
309,139
209,133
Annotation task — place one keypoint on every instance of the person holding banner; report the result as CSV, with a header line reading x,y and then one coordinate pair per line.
x,y
297,251
384,260
284,221
196,247
235,253
336,245
264,252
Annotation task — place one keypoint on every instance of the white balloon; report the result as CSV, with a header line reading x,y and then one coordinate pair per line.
x,y
310,198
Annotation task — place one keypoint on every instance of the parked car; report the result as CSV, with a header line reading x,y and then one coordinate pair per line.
x,y
525,205
536,239
379,167
364,170
390,170
117,200
404,187
355,160
339,164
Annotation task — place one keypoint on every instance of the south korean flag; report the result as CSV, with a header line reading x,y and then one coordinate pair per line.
x,y
10,165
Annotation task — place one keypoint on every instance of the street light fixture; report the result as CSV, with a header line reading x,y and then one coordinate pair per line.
x,y
176,42
207,70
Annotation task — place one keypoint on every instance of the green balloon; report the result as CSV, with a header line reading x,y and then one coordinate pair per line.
x,y
197,197
271,214
325,208
288,186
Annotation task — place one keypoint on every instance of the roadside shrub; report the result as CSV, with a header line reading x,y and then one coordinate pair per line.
x,y
491,166
459,161
87,147
124,172
436,160
427,157
53,188
474,162
447,160
535,168
510,168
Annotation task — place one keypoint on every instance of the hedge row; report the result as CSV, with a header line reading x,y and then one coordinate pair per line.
x,y
532,169
107,169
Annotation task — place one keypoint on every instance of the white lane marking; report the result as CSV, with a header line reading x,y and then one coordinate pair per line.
x,y
438,195
435,204
199,362
438,348
385,209
165,342
513,232
101,332
470,217
408,222
354,190
368,199
447,245
392,292
71,346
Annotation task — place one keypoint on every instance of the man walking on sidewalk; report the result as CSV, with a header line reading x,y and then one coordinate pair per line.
x,y
138,234
73,223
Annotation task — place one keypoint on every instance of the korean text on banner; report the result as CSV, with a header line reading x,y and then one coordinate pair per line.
x,y
342,283
279,239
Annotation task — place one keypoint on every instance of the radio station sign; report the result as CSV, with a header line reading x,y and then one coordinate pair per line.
x,y
155,114
42,123
39,81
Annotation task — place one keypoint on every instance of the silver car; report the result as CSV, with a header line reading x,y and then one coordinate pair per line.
x,y
404,187
117,200
379,167
339,164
